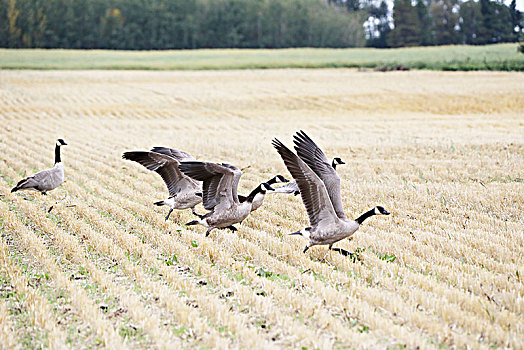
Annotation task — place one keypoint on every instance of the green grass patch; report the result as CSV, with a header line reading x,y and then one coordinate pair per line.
x,y
500,57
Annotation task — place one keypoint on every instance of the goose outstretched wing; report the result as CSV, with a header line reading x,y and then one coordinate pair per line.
x,y
290,187
181,156
166,166
220,182
313,156
312,188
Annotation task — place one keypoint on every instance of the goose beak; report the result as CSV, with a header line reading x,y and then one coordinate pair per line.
x,y
342,162
385,212
285,180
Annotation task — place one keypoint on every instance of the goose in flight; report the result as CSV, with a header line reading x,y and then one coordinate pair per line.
x,y
220,183
319,187
45,180
292,187
184,192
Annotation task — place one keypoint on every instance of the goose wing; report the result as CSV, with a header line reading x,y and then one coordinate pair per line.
x,y
181,156
220,182
312,188
290,187
166,166
313,156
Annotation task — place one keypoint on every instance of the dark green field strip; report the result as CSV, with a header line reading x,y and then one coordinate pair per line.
x,y
456,58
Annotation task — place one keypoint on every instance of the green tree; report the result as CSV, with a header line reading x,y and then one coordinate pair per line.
x,y
407,28
497,22
14,32
471,23
516,18
426,32
444,21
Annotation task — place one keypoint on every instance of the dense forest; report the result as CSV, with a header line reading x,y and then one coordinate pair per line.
x,y
189,24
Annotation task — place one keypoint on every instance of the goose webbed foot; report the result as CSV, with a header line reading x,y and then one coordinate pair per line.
x,y
341,251
344,252
169,213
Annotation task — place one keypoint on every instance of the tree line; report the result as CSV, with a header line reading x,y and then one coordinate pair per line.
x,y
191,24
176,24
444,22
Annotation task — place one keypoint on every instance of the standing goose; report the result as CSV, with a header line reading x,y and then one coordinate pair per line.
x,y
45,180
260,195
292,186
220,183
184,192
319,187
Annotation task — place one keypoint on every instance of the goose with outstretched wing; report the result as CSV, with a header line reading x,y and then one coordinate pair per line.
x,y
219,194
319,187
292,187
184,192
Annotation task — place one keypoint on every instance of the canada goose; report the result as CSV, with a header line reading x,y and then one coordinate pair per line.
x,y
336,161
184,192
220,183
292,186
319,187
45,180
260,195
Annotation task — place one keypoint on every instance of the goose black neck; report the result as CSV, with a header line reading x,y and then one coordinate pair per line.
x,y
57,154
253,193
334,165
364,216
272,181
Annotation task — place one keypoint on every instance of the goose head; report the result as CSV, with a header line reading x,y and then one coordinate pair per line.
x,y
336,161
60,142
277,179
378,210
264,187
381,211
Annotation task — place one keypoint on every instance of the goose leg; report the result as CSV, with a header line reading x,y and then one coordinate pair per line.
x,y
169,213
305,249
196,214
209,231
345,253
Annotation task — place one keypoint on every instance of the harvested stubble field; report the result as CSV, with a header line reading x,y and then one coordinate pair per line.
x,y
443,152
